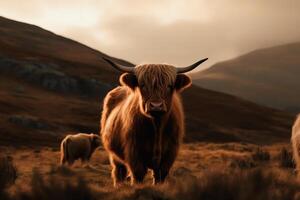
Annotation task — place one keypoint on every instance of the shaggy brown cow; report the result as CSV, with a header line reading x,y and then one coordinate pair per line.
x,y
295,140
78,146
142,121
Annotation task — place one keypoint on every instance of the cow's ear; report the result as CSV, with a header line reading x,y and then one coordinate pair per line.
x,y
129,80
182,82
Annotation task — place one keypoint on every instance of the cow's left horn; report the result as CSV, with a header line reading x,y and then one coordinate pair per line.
x,y
191,67
119,67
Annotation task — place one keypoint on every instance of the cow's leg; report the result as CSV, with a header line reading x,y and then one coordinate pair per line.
x,y
63,160
296,153
296,158
161,171
119,171
138,172
160,175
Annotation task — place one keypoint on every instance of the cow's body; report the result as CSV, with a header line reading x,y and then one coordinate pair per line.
x,y
295,140
136,140
78,146
142,121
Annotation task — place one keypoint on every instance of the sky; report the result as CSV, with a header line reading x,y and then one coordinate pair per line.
x,y
178,32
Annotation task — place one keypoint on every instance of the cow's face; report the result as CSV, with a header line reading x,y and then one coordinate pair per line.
x,y
95,140
155,84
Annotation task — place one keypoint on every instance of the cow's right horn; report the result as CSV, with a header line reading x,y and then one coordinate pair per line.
x,y
119,67
191,67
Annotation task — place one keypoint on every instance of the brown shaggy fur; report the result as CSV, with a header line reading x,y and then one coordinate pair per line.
x,y
135,140
78,146
295,140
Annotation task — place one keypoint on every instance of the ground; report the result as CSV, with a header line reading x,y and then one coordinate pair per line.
x,y
195,160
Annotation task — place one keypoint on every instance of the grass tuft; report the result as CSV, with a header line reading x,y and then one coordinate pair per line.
x,y
286,158
261,155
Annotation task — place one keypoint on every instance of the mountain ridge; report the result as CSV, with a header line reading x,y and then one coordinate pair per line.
x,y
43,97
266,76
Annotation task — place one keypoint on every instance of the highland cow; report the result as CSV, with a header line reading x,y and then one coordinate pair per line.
x,y
142,121
79,146
295,140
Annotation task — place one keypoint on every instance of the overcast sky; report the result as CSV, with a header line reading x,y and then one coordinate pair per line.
x,y
179,32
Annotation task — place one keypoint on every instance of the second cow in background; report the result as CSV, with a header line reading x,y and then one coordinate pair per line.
x,y
79,146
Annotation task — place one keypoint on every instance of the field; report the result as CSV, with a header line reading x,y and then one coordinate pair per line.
x,y
202,170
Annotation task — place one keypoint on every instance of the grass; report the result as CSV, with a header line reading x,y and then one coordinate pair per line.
x,y
202,171
261,155
286,158
251,184
237,184
8,171
8,175
54,188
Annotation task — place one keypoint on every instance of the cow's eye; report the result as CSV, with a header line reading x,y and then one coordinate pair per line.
x,y
142,86
170,87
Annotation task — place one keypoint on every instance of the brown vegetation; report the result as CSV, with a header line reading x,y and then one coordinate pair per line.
x,y
200,171
286,158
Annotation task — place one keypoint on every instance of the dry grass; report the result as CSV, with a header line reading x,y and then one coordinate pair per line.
x,y
8,175
8,171
235,171
286,158
237,184
261,155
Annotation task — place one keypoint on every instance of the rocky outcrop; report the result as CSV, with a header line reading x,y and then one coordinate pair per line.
x,y
28,122
47,75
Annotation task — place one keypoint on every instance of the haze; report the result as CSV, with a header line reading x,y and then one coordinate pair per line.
x,y
172,31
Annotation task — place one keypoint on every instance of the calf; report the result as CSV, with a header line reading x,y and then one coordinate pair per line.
x,y
78,146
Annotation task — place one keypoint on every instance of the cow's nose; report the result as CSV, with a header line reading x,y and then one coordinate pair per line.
x,y
156,105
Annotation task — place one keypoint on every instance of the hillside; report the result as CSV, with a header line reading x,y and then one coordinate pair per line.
x,y
50,85
31,43
267,76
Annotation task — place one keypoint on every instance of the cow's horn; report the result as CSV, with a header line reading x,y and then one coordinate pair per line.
x,y
119,67
191,67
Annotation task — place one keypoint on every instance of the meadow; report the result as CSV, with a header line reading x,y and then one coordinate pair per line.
x,y
202,171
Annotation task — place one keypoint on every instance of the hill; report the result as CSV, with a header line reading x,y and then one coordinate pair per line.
x,y
265,76
50,85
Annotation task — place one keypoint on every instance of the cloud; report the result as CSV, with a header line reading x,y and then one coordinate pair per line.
x,y
173,31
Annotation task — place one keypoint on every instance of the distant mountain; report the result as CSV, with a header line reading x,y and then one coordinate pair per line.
x,y
267,76
50,85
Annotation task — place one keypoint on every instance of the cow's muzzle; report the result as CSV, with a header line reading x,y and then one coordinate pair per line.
x,y
155,108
